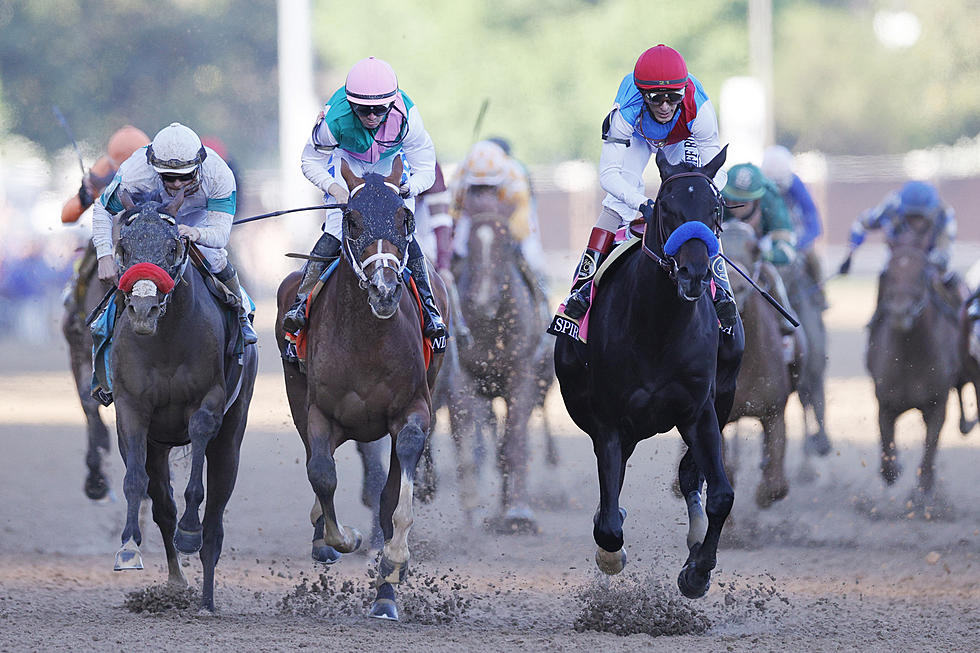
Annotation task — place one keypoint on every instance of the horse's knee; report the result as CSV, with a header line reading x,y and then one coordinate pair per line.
x,y
720,501
322,472
203,422
409,446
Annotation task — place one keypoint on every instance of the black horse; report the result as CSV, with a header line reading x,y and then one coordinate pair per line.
x,y
655,360
171,386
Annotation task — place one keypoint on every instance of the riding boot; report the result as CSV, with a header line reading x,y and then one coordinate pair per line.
x,y
600,244
724,299
229,277
325,252
433,328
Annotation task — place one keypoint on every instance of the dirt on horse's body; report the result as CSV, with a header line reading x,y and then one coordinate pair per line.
x,y
79,338
655,360
366,373
170,359
764,385
509,356
910,356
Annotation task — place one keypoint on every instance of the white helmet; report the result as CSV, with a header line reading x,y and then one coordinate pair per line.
x,y
175,150
777,166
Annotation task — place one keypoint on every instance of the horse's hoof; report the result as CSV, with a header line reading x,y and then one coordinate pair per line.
x,y
128,557
188,542
890,471
324,553
817,444
96,487
353,539
384,606
516,521
390,571
692,584
610,562
765,496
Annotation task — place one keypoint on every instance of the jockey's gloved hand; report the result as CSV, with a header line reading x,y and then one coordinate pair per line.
x,y
108,270
85,195
646,210
404,191
192,233
845,267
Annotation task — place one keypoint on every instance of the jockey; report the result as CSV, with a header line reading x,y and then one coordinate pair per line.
x,y
120,147
658,106
367,123
755,200
898,212
490,180
177,160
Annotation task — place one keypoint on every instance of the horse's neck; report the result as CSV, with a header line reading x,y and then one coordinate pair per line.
x,y
651,293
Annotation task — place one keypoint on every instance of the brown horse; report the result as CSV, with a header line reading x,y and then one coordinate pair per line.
x,y
764,384
910,356
84,293
366,371
510,356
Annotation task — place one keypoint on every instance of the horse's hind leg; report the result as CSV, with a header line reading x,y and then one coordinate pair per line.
x,y
374,480
611,456
202,428
164,507
397,514
704,440
321,470
934,415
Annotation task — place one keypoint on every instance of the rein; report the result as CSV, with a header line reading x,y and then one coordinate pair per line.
x,y
667,263
387,259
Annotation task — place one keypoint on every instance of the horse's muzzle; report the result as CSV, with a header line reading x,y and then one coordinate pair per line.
x,y
384,293
144,314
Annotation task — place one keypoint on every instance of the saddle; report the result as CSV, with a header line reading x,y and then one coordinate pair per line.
x,y
296,343
104,324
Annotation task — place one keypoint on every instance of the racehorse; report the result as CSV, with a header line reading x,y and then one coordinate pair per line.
x,y
654,361
366,372
764,382
510,356
910,355
174,383
85,291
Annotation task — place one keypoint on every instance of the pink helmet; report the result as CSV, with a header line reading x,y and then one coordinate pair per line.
x,y
371,82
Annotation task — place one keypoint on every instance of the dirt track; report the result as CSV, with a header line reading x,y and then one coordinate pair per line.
x,y
838,565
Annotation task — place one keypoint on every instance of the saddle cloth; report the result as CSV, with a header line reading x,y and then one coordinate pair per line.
x,y
296,343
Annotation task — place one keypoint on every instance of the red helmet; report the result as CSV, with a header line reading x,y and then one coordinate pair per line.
x,y
660,67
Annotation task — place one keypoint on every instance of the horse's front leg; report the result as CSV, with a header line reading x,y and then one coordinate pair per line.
x,y
704,442
611,456
202,427
773,485
164,507
934,415
891,469
513,457
131,428
397,514
321,470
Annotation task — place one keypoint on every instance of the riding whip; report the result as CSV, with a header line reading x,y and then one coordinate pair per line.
x,y
71,137
98,308
769,298
275,213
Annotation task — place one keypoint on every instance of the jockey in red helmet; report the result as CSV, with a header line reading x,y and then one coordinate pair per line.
x,y
659,106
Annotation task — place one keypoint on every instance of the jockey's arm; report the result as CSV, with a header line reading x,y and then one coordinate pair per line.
x,y
872,220
942,248
420,153
611,159
102,227
215,229
809,216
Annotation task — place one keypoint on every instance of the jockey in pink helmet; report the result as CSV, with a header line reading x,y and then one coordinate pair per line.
x,y
367,122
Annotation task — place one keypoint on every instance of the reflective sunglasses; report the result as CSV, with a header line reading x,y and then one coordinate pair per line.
x,y
656,98
187,176
365,110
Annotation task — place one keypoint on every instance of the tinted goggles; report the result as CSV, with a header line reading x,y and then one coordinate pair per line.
x,y
365,110
656,98
188,176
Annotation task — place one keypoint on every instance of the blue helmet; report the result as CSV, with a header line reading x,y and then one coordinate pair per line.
x,y
919,197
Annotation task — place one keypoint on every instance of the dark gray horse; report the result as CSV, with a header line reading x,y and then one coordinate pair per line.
x,y
763,385
510,356
84,293
911,356
169,366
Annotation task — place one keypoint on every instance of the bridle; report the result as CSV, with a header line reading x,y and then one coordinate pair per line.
x,y
147,286
667,263
384,259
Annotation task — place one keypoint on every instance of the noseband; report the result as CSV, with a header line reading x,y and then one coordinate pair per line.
x,y
146,279
667,262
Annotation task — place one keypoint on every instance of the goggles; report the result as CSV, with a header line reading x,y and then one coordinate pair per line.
x,y
658,97
365,110
187,176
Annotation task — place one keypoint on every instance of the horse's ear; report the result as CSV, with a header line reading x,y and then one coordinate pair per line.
x,y
395,178
713,166
126,199
352,180
171,207
666,168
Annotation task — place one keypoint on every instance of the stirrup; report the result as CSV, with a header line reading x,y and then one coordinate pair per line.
x,y
295,318
248,331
